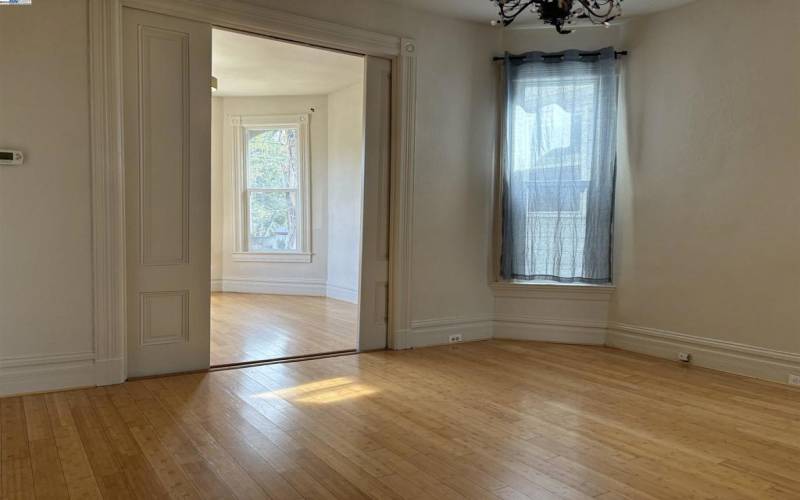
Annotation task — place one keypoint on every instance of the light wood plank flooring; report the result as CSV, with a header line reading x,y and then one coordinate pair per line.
x,y
495,419
255,327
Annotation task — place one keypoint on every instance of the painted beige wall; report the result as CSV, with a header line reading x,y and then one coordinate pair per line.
x,y
45,205
709,209
318,141
345,181
519,41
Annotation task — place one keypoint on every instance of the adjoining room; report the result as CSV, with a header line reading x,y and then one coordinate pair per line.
x,y
287,158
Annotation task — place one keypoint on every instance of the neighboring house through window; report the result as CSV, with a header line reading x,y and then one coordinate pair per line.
x,y
272,178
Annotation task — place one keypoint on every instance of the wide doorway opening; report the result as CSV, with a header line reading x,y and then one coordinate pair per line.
x,y
287,199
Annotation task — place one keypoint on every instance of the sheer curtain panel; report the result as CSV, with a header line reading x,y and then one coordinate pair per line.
x,y
558,166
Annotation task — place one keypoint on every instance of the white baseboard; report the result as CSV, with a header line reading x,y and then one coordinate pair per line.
x,y
216,285
563,331
732,357
29,374
341,293
432,332
311,287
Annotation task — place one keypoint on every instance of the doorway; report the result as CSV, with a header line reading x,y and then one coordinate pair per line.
x,y
169,116
287,143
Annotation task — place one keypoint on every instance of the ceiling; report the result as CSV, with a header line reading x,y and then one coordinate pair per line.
x,y
484,11
247,65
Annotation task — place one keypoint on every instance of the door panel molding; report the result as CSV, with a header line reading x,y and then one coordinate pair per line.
x,y
163,167
108,188
154,328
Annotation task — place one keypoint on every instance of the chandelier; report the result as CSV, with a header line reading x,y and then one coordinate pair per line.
x,y
560,13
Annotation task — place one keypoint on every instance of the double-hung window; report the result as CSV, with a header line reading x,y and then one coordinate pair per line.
x,y
559,161
271,175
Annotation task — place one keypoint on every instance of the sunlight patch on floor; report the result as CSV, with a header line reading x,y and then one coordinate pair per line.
x,y
326,391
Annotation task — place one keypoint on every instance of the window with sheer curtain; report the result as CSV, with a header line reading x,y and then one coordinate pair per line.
x,y
559,162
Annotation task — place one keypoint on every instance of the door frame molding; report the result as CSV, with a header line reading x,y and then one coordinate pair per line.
x,y
107,165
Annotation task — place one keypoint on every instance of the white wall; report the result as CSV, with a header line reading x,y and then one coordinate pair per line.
x,y
521,40
45,205
274,277
708,208
345,180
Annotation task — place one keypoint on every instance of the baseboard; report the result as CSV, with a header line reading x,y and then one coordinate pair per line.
x,y
563,331
311,287
432,332
30,374
731,357
341,293
216,285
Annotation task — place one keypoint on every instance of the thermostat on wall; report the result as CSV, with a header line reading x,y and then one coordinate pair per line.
x,y
11,157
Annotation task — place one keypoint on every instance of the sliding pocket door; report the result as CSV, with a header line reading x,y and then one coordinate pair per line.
x,y
167,121
374,287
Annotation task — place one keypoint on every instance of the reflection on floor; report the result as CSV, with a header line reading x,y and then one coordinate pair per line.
x,y
254,327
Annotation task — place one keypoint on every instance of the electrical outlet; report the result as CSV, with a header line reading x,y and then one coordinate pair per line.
x,y
684,357
794,379
456,338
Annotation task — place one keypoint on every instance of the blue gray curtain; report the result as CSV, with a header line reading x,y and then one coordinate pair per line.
x,y
559,163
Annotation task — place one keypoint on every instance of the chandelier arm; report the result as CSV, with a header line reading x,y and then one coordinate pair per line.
x,y
593,12
517,8
560,13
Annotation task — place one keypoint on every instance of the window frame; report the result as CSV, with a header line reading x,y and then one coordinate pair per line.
x,y
241,125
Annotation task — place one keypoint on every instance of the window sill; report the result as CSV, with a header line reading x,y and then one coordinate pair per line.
x,y
286,257
542,289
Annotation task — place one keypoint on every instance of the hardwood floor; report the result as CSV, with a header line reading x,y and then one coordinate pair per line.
x,y
255,327
495,419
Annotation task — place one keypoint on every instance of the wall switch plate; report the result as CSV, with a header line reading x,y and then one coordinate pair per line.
x,y
794,379
456,338
684,357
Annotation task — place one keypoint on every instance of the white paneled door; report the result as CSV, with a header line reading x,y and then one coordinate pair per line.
x,y
374,287
167,121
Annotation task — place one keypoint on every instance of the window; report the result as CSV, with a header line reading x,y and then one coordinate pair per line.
x,y
559,162
272,176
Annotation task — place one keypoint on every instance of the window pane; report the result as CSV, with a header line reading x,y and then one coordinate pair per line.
x,y
272,158
273,221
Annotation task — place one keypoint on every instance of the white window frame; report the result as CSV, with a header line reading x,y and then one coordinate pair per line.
x,y
240,125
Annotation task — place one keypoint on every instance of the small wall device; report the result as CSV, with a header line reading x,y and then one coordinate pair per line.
x,y
11,157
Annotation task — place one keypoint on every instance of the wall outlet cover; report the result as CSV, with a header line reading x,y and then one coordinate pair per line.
x,y
684,357
794,379
456,338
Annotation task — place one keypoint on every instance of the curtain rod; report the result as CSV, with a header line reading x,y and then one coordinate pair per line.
x,y
618,53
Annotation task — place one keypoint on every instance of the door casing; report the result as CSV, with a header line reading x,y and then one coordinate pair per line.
x,y
108,186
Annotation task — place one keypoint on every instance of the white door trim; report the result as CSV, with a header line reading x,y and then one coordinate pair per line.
x,y
108,217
